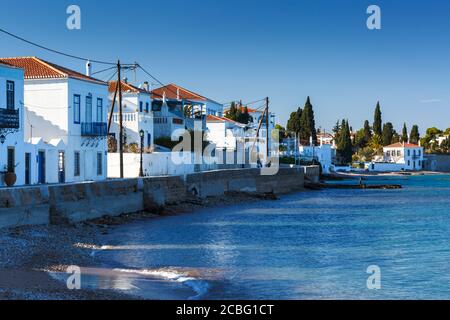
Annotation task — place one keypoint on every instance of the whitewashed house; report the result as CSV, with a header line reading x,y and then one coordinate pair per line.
x,y
175,108
224,133
324,154
12,123
62,104
137,114
399,157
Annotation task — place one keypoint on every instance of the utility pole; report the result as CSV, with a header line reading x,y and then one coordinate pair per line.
x,y
119,89
267,129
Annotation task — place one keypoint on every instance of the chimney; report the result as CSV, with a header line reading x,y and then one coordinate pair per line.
x,y
146,86
125,80
178,93
88,68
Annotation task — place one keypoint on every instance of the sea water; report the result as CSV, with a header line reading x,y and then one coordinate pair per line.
x,y
308,245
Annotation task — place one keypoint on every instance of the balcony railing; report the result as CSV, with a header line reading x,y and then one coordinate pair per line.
x,y
9,119
94,129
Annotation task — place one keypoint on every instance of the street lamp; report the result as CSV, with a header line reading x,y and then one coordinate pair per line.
x,y
141,170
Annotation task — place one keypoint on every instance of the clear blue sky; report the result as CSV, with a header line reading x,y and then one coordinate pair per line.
x,y
249,49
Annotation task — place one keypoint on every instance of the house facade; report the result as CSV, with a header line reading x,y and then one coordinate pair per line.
x,y
399,157
137,114
175,108
224,133
12,123
68,111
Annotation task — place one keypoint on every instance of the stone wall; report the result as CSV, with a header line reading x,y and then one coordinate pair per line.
x,y
437,162
71,203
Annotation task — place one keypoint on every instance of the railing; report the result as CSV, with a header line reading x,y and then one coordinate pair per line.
x,y
94,129
9,119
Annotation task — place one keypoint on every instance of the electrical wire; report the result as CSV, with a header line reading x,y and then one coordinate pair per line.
x,y
57,51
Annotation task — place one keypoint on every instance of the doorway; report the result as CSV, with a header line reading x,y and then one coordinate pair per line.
x,y
41,166
27,168
61,167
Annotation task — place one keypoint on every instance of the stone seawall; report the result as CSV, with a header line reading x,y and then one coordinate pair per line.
x,y
71,203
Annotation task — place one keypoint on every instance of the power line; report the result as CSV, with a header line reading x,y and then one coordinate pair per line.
x,y
56,51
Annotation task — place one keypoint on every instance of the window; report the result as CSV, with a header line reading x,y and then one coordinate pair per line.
x,y
99,164
11,160
409,153
76,164
419,153
149,140
409,163
147,107
88,113
99,110
76,109
10,96
140,106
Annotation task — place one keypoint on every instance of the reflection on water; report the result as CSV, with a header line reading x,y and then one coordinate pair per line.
x,y
312,245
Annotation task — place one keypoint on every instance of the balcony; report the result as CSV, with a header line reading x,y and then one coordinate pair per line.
x,y
9,119
94,129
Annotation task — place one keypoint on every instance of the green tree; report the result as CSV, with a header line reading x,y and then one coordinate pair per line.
x,y
231,114
308,124
414,136
344,146
293,124
388,134
404,137
244,117
367,131
282,131
377,121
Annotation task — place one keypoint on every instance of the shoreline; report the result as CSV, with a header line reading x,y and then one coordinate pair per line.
x,y
355,175
28,254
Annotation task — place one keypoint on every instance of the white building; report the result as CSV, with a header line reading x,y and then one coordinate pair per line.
x,y
62,104
137,114
12,123
225,133
324,154
177,108
399,157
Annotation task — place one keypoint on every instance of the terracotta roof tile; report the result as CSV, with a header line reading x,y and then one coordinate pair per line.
x,y
36,68
403,145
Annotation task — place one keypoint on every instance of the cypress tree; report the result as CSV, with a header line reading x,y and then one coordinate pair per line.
x,y
367,131
414,137
308,124
388,134
344,144
377,122
404,134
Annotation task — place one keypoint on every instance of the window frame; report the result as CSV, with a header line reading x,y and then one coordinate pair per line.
x,y
76,109
76,164
10,105
99,110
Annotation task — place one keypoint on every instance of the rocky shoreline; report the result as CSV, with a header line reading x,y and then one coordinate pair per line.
x,y
26,253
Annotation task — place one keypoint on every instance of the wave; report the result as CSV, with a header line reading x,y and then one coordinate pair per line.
x,y
198,285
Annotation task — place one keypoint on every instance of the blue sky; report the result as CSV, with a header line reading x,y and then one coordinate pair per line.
x,y
249,49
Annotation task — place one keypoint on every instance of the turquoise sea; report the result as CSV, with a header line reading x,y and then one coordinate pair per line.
x,y
310,245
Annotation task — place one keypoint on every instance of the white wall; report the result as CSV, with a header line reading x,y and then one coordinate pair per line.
x,y
154,164
51,116
13,139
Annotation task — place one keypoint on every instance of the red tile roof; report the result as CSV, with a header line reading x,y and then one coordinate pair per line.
x,y
403,145
36,68
172,91
126,87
